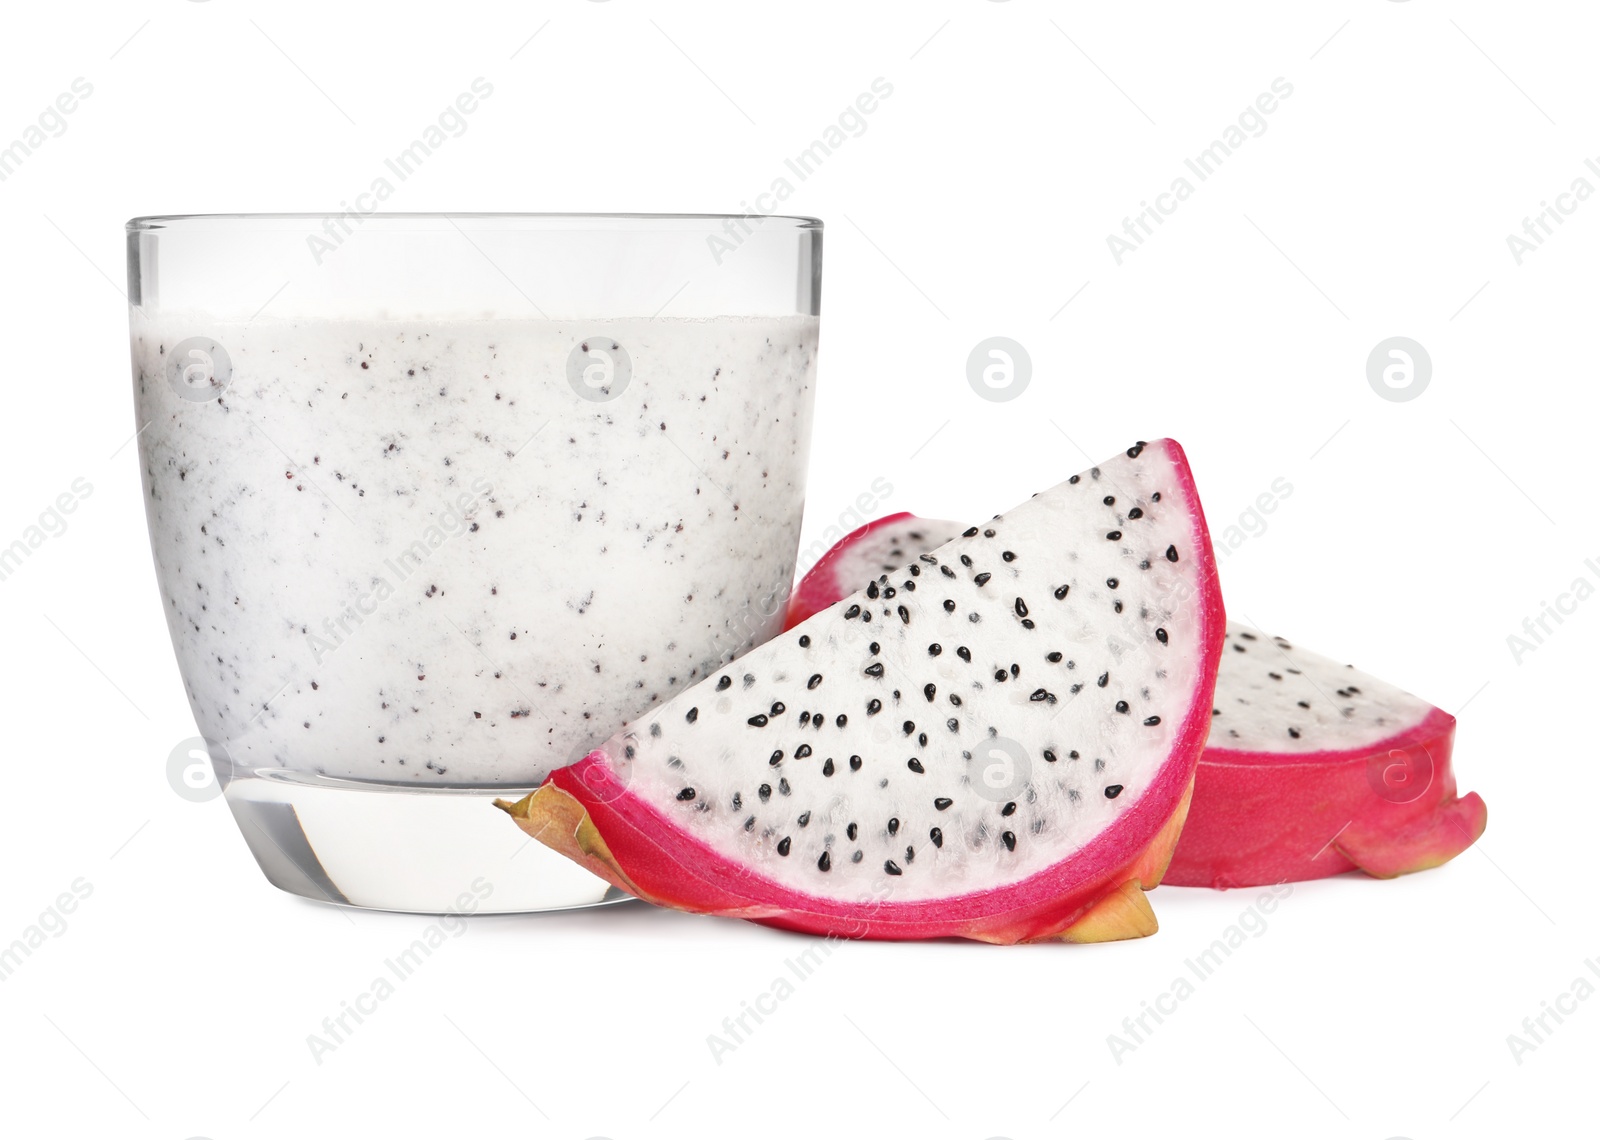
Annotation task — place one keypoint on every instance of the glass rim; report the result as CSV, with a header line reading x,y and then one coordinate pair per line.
x,y
551,222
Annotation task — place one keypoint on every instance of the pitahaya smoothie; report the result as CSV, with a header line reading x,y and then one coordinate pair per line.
x,y
460,553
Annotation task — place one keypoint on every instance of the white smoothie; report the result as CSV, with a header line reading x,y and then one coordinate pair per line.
x,y
412,551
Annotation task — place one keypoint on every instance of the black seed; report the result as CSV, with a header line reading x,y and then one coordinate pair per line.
x,y
776,758
936,837
805,640
1152,721
692,715
1117,606
1172,554
1102,679
1049,756
1133,452
738,802
891,866
1111,583
942,802
969,532
999,674
750,824
1061,592
856,858
1113,791
1108,500
905,615
888,592
966,560
953,724
908,728
949,606
1042,695
1114,535
805,719
1155,497
1007,556
911,854
955,700
894,825
874,706
874,670
850,832
964,653
805,818
915,765
802,752
1021,608
929,559
824,863
1075,479
841,720
1027,623
1161,636
872,590
1073,755
783,846
855,763
778,708
1136,513
783,787
873,647
1304,704
759,720
1122,706
935,649
853,612
724,683
947,572
765,792
983,579
686,794
1295,732
929,690
1053,658
1009,809
988,533
816,679
1009,839
922,739
827,766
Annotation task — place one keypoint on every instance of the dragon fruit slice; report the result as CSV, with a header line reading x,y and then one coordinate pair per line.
x,y
883,546
996,742
1312,768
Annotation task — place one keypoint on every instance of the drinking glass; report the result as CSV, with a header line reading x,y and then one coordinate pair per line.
x,y
438,502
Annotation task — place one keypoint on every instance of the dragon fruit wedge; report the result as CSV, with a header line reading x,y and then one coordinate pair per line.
x,y
1312,768
996,741
883,546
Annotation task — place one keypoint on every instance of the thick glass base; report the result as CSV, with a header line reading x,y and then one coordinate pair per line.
x,y
425,851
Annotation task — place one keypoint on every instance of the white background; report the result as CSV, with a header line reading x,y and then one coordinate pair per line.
x,y
1419,535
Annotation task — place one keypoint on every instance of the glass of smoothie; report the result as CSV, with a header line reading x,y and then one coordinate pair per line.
x,y
438,502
